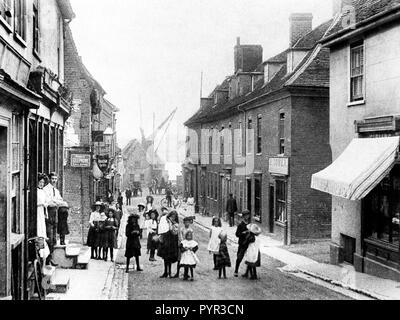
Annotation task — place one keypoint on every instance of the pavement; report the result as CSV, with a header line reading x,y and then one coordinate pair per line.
x,y
343,276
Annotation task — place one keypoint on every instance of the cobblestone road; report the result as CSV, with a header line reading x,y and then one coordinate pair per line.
x,y
273,284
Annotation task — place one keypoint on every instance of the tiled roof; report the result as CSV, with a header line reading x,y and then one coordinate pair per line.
x,y
364,9
309,73
309,40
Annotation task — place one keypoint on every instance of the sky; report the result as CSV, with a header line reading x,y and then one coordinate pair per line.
x,y
149,55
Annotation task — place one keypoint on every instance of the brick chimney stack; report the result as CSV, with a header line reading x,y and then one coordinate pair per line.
x,y
300,25
247,57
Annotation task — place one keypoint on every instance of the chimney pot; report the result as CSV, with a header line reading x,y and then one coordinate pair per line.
x,y
300,25
238,41
338,6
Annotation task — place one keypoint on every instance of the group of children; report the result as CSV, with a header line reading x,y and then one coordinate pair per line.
x,y
249,247
103,231
105,221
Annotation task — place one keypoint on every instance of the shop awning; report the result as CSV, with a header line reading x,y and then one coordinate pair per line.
x,y
359,169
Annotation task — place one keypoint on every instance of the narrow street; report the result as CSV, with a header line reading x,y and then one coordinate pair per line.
x,y
272,285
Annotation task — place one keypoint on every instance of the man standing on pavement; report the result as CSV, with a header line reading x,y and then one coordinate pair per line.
x,y
128,194
169,198
231,209
241,233
55,201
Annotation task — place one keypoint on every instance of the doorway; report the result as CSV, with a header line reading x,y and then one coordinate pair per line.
x,y
249,195
3,210
349,249
271,217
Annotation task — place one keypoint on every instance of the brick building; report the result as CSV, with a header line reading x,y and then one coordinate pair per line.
x,y
137,159
34,107
262,133
90,154
364,108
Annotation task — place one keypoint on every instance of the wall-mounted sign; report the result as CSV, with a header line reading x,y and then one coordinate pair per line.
x,y
97,136
81,160
279,166
102,162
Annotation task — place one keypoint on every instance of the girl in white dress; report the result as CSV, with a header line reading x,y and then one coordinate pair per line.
x,y
42,202
213,244
189,259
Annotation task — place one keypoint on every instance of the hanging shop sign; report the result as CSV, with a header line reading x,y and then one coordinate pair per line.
x,y
81,160
98,136
103,161
279,166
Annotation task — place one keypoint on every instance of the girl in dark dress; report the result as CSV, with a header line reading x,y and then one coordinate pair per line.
x,y
92,239
169,243
222,259
110,237
133,246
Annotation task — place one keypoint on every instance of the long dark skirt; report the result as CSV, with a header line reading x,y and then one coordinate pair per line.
x,y
101,238
92,237
110,239
168,248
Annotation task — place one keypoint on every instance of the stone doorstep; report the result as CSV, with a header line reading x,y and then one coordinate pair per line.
x,y
60,284
84,259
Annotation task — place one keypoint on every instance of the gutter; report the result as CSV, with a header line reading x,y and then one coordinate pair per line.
x,y
361,27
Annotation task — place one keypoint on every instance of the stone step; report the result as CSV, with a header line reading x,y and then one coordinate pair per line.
x,y
60,283
83,258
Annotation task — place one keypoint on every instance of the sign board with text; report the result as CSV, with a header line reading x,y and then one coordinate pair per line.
x,y
279,166
81,160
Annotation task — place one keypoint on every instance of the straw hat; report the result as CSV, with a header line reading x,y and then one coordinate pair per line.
x,y
98,203
246,213
141,205
255,229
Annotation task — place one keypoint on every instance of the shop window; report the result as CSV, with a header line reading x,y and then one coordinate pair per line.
x,y
281,133
357,71
20,18
15,178
257,203
46,149
382,210
281,201
40,145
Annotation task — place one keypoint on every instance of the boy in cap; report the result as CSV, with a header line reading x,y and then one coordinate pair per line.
x,y
241,234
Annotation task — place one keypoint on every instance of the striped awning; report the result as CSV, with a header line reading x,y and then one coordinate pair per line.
x,y
359,169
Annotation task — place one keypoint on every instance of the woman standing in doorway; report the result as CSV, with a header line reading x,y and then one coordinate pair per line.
x,y
41,215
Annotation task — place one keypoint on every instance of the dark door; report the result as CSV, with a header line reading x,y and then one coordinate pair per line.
x,y
249,195
349,249
271,217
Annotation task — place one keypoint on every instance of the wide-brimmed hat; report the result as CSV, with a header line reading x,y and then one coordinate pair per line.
x,y
141,205
98,203
246,213
64,204
190,219
134,216
112,208
255,229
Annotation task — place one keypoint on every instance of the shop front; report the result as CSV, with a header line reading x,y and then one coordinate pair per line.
x,y
278,195
367,178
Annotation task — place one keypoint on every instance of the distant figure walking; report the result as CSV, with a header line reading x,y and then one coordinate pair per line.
x,y
231,209
128,194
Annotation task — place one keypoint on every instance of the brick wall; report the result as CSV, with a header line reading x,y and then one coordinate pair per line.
x,y
311,153
78,184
